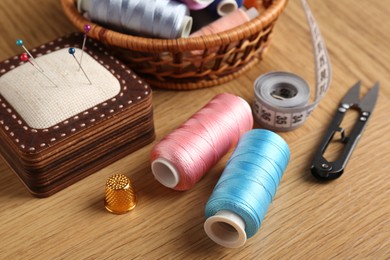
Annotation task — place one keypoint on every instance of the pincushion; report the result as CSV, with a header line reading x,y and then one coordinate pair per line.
x,y
53,135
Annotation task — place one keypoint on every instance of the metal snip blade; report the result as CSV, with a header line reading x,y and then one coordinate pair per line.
x,y
369,100
352,96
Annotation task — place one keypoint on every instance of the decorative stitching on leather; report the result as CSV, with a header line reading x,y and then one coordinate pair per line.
x,y
56,132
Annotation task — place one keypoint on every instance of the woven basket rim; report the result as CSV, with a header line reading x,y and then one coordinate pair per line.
x,y
155,45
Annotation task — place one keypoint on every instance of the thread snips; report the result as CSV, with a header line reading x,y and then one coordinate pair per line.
x,y
323,169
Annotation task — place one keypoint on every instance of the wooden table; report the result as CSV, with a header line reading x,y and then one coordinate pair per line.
x,y
345,218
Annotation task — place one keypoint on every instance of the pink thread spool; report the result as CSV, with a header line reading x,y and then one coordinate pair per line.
x,y
227,22
197,4
182,157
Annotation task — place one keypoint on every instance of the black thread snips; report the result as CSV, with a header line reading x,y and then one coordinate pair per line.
x,y
323,169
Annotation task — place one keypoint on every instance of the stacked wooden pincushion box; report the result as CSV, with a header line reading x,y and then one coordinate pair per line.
x,y
51,158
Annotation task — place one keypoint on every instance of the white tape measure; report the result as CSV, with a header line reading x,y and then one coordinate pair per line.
x,y
282,99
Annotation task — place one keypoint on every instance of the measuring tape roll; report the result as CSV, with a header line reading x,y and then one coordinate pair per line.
x,y
281,100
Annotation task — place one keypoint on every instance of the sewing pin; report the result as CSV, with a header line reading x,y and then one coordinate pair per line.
x,y
24,57
87,28
72,52
19,42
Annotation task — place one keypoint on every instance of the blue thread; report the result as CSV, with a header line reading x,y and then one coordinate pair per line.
x,y
251,178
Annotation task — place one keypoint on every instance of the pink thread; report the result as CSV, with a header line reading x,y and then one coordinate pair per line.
x,y
227,22
200,142
197,4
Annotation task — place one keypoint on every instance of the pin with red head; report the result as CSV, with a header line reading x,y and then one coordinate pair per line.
x,y
19,42
25,58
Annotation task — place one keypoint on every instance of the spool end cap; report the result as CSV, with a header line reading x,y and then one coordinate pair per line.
x,y
186,27
226,7
165,172
226,228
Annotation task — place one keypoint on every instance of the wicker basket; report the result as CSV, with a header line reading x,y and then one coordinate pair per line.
x,y
190,63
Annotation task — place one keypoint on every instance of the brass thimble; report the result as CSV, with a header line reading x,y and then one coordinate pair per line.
x,y
120,197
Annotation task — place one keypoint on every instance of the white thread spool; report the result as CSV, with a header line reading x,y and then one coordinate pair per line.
x,y
226,7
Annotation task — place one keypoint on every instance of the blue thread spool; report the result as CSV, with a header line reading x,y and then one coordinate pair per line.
x,y
240,200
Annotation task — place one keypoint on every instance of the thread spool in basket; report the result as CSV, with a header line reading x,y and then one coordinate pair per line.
x,y
236,18
181,158
240,199
225,7
155,18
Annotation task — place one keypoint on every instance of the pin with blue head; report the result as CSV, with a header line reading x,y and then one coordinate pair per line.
x,y
19,42
72,51
25,58
87,28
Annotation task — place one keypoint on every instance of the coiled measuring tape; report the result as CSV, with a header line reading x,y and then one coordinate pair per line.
x,y
282,99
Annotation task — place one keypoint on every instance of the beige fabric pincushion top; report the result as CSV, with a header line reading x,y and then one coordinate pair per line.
x,y
41,104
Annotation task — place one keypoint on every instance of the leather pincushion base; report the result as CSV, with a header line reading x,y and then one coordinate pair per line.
x,y
58,131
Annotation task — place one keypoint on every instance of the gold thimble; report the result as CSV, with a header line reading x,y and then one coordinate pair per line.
x,y
120,197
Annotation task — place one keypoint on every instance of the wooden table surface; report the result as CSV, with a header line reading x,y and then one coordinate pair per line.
x,y
345,218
